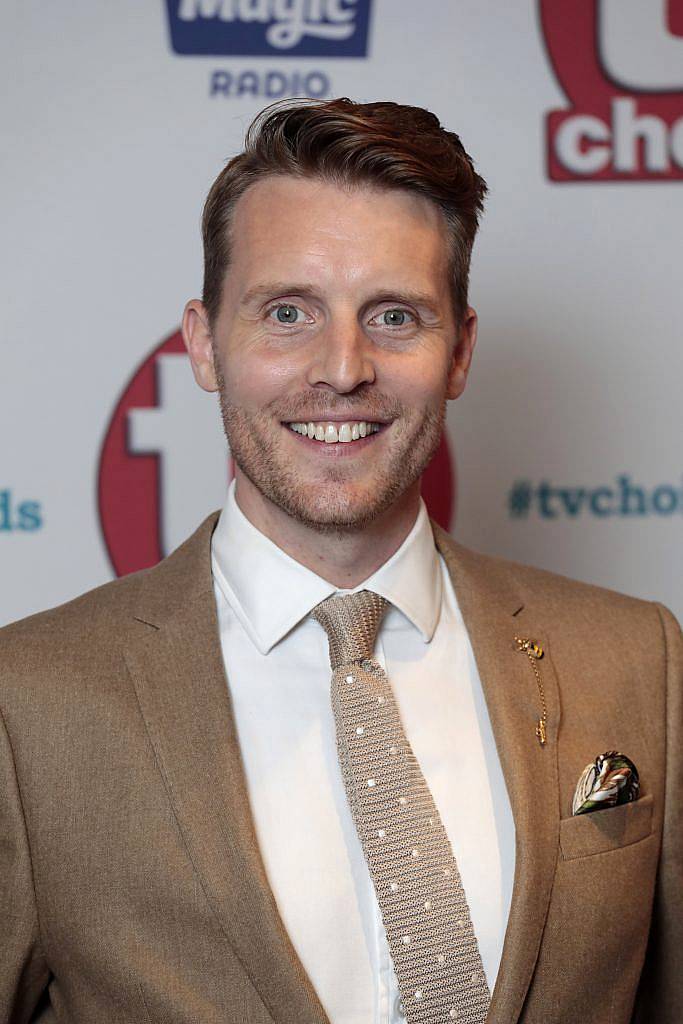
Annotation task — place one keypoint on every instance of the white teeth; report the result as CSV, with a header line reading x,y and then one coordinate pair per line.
x,y
331,433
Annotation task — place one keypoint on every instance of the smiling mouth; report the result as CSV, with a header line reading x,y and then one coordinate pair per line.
x,y
336,433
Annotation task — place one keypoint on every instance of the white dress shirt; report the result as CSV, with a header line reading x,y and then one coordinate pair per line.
x,y
278,670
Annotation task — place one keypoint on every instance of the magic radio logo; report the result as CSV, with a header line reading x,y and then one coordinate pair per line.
x,y
164,462
620,64
255,28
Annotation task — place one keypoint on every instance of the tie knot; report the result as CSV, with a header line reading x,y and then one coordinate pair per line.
x,y
351,622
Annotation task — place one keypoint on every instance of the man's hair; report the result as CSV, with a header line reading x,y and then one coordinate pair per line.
x,y
381,145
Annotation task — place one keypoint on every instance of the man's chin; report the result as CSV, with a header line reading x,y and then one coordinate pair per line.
x,y
331,508
332,511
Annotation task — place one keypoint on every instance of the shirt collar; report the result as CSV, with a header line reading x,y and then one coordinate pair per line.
x,y
270,592
411,579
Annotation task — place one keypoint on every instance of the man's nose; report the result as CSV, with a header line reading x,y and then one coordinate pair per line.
x,y
343,357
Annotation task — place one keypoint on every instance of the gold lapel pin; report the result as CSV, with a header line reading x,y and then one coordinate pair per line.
x,y
534,653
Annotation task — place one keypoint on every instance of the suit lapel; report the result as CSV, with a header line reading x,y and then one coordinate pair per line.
x,y
178,673
494,614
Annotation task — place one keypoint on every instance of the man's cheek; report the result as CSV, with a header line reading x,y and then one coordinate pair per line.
x,y
244,384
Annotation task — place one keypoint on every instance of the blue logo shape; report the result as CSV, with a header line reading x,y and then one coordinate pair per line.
x,y
282,28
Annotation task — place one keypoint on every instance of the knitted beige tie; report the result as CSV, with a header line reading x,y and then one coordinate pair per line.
x,y
419,891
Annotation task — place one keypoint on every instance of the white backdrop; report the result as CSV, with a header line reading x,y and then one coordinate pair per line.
x,y
566,446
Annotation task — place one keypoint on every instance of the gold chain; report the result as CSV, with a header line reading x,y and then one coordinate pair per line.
x,y
534,653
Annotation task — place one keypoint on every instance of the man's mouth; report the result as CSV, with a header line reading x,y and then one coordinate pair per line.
x,y
335,433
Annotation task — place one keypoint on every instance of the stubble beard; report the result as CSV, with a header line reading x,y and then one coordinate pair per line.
x,y
333,505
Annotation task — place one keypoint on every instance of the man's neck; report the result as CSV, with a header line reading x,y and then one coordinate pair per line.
x,y
344,558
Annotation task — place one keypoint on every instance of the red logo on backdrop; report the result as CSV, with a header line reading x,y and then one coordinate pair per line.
x,y
128,489
620,63
163,463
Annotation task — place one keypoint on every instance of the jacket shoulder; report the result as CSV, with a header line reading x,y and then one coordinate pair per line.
x,y
86,634
106,610
560,598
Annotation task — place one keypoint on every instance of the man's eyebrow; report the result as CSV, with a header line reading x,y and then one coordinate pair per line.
x,y
405,295
399,295
261,291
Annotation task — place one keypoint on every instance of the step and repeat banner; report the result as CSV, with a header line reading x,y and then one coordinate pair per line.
x,y
565,451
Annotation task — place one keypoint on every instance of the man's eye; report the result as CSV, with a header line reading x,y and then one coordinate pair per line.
x,y
285,313
394,318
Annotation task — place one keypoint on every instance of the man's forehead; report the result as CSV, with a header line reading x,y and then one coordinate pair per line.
x,y
310,221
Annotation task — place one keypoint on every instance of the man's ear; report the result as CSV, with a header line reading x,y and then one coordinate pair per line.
x,y
462,354
197,337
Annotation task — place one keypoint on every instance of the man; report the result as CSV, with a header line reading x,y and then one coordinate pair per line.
x,y
197,824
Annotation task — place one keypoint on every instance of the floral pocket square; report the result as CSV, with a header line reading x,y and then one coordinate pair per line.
x,y
610,780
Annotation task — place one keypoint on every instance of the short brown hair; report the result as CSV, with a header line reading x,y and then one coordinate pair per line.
x,y
385,145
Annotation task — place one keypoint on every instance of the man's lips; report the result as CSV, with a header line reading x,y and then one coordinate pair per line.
x,y
336,431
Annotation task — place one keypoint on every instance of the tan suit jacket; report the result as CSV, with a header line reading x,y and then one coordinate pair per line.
x,y
131,885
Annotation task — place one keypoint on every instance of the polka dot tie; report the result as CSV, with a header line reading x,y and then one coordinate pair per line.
x,y
423,905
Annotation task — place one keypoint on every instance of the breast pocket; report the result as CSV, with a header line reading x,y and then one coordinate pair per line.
x,y
602,831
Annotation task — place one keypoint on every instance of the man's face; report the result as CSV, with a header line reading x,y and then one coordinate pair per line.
x,y
335,321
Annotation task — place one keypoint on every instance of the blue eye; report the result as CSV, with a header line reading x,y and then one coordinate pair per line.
x,y
286,313
394,317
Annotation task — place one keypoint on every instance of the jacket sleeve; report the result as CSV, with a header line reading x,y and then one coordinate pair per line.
x,y
23,971
660,995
